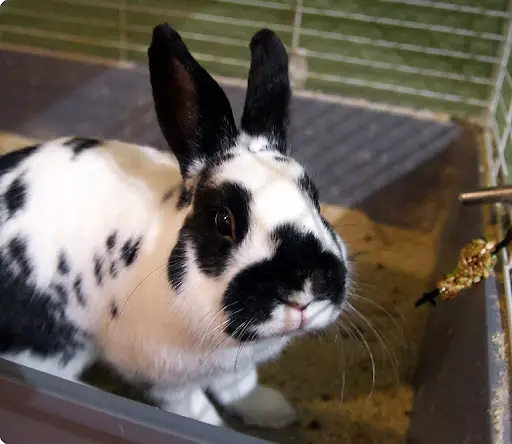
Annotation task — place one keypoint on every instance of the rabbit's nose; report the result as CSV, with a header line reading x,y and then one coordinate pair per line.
x,y
297,306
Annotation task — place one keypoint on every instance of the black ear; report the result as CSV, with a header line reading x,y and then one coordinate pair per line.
x,y
192,109
268,90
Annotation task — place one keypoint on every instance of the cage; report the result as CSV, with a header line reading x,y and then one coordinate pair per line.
x,y
398,106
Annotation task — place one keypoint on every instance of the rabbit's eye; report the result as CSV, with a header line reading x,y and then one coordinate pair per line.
x,y
225,223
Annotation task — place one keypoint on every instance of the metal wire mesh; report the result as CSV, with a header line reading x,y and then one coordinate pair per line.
x,y
417,53
497,142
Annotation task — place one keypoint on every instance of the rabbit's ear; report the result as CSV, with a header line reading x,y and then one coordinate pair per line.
x,y
192,109
268,90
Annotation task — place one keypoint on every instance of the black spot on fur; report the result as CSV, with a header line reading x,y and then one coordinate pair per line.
x,y
77,287
60,291
113,269
130,250
213,251
258,289
62,264
32,319
80,144
167,195
185,197
282,159
12,159
176,266
17,255
111,241
308,186
15,196
98,269
114,311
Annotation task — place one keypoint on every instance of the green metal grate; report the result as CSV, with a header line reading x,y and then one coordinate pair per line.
x,y
416,53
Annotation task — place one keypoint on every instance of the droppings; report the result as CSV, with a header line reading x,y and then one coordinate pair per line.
x,y
315,425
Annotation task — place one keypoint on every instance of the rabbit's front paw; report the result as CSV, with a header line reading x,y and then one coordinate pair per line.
x,y
190,403
264,407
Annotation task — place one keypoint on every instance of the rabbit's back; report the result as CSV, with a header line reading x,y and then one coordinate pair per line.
x,y
74,215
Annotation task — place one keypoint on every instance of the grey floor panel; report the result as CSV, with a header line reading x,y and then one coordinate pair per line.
x,y
351,152
30,84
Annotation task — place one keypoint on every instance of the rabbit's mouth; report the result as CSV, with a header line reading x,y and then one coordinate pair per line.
x,y
289,320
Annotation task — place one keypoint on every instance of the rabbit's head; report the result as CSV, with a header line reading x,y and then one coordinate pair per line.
x,y
254,256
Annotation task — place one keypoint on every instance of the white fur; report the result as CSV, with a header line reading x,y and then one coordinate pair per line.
x,y
158,156
53,365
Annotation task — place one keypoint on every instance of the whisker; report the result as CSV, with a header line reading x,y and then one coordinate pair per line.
x,y
130,296
341,362
242,344
226,322
385,348
214,349
219,330
346,329
403,338
219,311
372,360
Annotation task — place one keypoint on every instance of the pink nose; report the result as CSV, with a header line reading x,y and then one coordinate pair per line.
x,y
296,306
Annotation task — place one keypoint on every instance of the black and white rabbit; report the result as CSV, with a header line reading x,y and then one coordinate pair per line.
x,y
183,271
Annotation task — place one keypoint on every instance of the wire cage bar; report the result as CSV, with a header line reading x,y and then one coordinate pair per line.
x,y
497,143
423,54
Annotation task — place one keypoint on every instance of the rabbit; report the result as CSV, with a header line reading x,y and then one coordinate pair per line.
x,y
182,270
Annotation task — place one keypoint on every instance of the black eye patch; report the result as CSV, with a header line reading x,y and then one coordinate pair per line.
x,y
212,251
